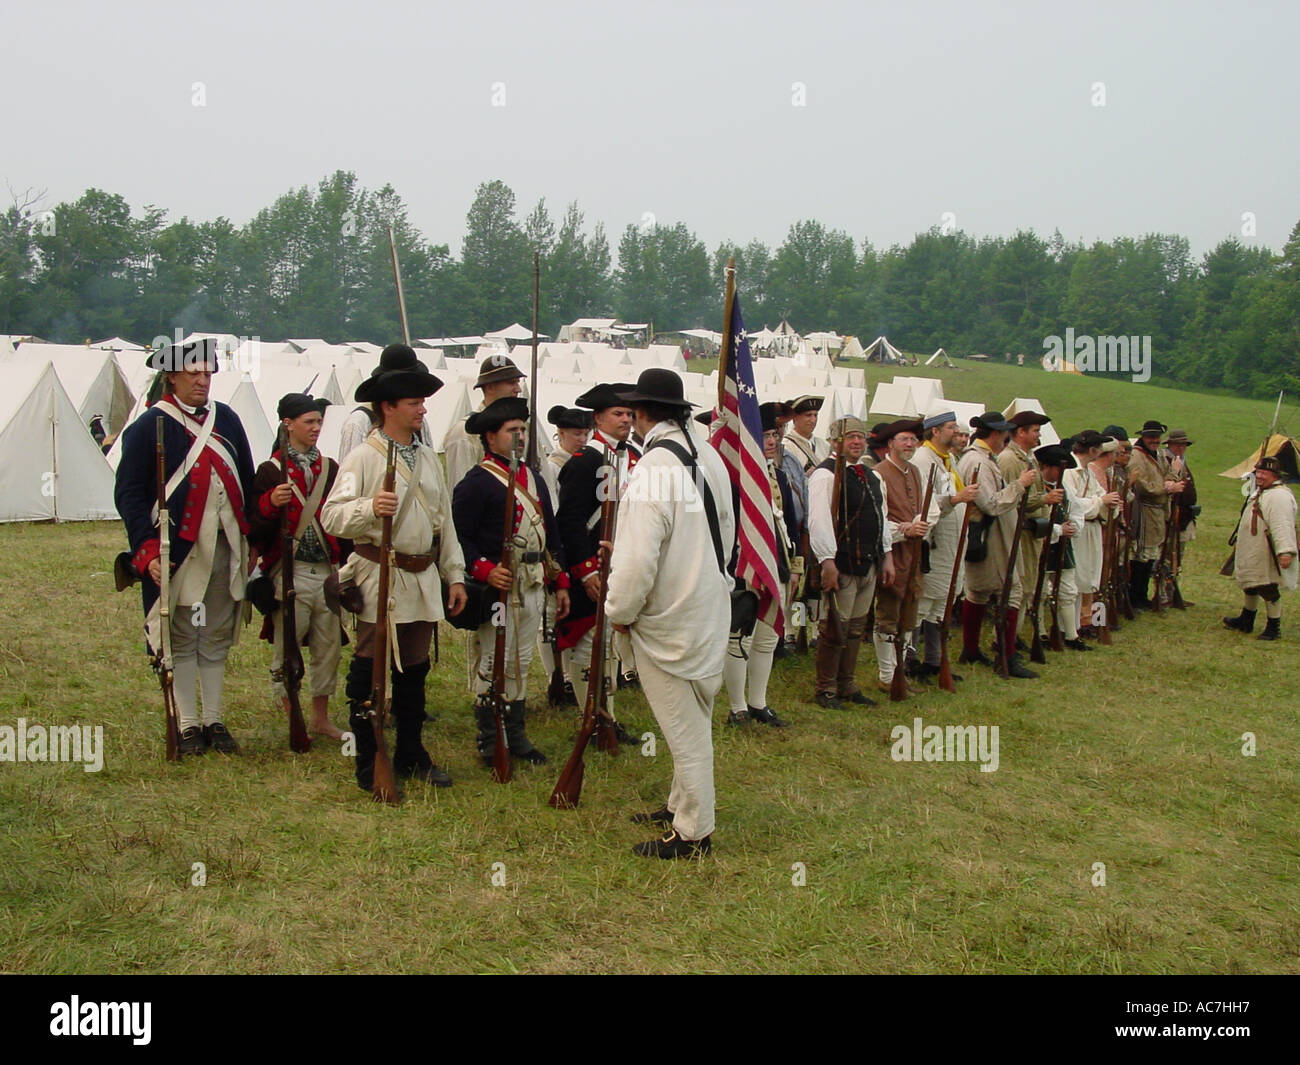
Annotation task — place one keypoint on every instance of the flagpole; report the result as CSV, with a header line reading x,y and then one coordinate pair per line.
x,y
533,451
726,332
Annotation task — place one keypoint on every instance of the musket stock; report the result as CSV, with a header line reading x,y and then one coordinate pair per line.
x,y
384,786
1003,653
163,662
502,770
946,681
898,686
291,666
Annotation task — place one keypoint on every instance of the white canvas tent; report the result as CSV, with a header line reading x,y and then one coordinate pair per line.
x,y
881,350
51,469
90,376
939,353
894,399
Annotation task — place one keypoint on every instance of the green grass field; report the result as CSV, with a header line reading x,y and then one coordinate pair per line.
x,y
1130,756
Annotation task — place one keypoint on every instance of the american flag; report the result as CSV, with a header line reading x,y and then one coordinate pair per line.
x,y
737,434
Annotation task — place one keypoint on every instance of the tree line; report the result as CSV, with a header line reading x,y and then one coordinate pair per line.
x,y
316,264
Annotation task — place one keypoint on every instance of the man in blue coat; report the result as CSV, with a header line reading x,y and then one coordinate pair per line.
x,y
209,471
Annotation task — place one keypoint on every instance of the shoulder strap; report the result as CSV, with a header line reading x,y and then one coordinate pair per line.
x,y
710,509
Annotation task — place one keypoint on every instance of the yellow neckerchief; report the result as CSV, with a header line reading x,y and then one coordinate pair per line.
x,y
948,464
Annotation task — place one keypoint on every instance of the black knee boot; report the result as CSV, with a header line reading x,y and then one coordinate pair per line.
x,y
410,759
486,738
357,690
520,745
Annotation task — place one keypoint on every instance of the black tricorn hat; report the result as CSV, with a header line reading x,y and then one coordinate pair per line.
x,y
1055,455
563,417
705,418
657,384
804,404
496,414
399,375
604,396
176,358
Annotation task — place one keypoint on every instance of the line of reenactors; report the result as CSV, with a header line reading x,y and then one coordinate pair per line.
x,y
903,531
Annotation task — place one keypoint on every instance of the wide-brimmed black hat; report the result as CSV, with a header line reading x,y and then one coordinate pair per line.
x,y
1055,455
657,384
176,358
496,368
1153,428
603,397
884,434
563,417
991,421
295,405
496,414
399,375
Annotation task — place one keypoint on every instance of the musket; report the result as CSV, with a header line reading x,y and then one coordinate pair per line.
x,y
898,686
839,520
397,280
1105,588
291,667
1036,652
502,771
1002,653
1120,573
945,667
163,664
1056,638
384,787
595,712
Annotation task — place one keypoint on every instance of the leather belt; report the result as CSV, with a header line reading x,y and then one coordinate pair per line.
x,y
531,558
410,563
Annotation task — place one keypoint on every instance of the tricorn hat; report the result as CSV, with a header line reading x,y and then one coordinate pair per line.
x,y
563,417
497,368
657,384
496,414
603,397
1055,455
1272,464
705,418
803,404
176,358
399,375
1029,417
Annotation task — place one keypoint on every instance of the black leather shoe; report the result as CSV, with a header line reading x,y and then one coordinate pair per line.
x,y
979,658
766,715
628,680
781,651
423,768
673,846
1016,668
1077,645
220,739
625,737
661,816
925,672
857,699
192,741
738,718
1021,646
827,701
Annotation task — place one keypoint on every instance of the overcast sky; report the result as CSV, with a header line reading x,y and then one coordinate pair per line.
x,y
738,119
